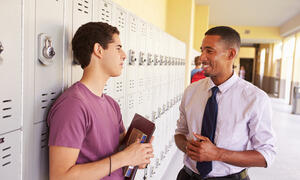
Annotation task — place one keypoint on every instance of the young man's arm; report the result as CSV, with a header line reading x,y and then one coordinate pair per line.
x,y
207,151
62,161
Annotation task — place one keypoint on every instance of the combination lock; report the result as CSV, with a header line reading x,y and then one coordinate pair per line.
x,y
46,50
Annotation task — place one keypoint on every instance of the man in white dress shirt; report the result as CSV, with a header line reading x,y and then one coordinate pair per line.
x,y
243,135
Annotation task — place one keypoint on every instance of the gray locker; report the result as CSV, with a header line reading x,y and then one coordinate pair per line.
x,y
48,69
82,13
10,65
10,155
40,159
132,63
120,17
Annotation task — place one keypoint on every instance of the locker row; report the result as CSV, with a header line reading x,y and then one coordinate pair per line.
x,y
37,65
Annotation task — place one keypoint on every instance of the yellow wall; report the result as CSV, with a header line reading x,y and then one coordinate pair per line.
x,y
268,60
257,33
201,24
296,76
180,23
153,11
245,52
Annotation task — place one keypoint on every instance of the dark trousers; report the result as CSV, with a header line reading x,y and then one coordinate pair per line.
x,y
183,175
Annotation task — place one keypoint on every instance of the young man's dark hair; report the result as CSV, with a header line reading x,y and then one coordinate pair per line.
x,y
85,38
227,34
197,61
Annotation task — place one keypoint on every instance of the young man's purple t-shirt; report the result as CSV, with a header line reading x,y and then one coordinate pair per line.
x,y
80,119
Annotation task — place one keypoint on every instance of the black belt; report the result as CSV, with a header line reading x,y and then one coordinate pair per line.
x,y
237,176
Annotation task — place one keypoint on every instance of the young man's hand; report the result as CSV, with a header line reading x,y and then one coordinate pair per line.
x,y
202,149
139,153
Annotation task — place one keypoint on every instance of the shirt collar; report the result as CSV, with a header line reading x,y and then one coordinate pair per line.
x,y
225,85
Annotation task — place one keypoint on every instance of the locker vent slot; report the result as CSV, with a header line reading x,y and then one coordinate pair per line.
x,y
5,164
119,86
133,25
7,148
83,6
144,30
44,139
131,84
6,156
121,20
7,106
130,103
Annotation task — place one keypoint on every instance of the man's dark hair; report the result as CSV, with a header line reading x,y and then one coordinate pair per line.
x,y
230,36
197,61
85,38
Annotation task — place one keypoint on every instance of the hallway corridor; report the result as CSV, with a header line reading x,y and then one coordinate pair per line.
x,y
286,165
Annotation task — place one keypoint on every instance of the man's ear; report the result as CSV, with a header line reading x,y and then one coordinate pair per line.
x,y
98,50
231,53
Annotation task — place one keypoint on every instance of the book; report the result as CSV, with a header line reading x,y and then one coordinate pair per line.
x,y
143,129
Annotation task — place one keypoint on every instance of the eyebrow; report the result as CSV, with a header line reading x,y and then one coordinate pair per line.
x,y
206,47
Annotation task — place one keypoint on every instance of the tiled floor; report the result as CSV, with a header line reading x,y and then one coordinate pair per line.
x,y
287,163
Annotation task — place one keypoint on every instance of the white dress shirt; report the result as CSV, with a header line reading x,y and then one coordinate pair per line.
x,y
243,122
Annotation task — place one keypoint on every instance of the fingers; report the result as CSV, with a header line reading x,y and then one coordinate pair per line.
x,y
199,137
151,140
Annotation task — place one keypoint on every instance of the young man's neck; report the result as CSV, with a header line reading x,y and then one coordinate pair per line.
x,y
94,80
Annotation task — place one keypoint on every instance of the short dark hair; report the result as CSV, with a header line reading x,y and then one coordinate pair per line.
x,y
197,61
230,36
85,38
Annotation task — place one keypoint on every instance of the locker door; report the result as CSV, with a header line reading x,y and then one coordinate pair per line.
x,y
10,155
48,70
130,108
40,151
82,13
132,63
142,59
10,65
103,13
120,21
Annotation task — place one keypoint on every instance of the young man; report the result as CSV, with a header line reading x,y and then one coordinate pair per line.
x,y
225,122
86,125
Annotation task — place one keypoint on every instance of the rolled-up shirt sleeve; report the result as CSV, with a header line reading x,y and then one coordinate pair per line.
x,y
262,136
182,127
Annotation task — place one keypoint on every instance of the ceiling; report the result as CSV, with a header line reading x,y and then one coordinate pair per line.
x,y
251,12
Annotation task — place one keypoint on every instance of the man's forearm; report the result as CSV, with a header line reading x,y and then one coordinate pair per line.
x,y
94,170
181,142
249,158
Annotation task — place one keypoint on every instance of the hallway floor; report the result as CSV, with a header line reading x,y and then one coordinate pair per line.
x,y
287,162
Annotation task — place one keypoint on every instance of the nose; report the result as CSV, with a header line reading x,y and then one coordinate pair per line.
x,y
123,55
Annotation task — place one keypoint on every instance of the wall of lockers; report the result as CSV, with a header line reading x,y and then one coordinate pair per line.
x,y
36,65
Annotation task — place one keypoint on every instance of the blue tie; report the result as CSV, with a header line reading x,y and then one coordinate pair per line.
x,y
208,128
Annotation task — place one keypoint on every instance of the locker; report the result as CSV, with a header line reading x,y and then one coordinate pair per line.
x,y
10,155
132,64
82,13
10,65
130,108
40,150
48,76
120,21
103,11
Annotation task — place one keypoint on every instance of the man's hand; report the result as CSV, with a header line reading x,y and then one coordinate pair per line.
x,y
139,153
143,166
202,149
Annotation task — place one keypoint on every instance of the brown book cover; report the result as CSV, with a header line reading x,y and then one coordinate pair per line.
x,y
142,128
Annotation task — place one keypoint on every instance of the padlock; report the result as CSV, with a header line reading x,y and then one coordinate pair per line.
x,y
48,50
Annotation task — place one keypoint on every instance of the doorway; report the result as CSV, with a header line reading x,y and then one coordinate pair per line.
x,y
248,65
